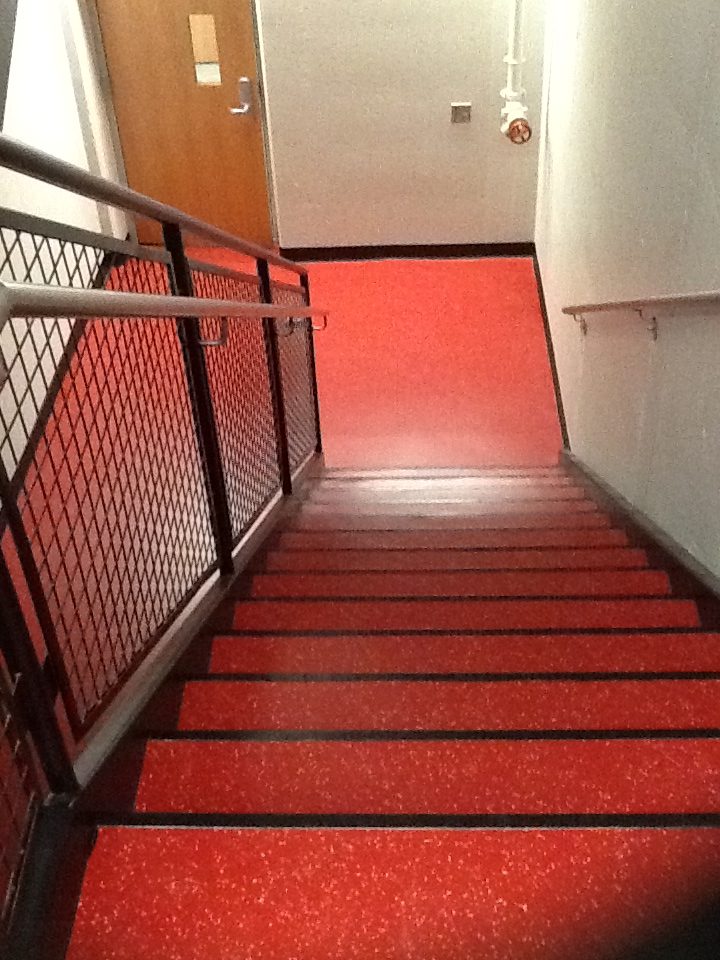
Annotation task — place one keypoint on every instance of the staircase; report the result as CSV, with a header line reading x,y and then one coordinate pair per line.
x,y
449,716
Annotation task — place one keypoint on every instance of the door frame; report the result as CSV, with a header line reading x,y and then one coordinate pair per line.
x,y
264,120
8,16
91,22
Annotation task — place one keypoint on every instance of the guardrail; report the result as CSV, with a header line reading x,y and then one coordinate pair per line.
x,y
154,402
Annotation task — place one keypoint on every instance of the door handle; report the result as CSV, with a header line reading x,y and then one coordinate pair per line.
x,y
245,96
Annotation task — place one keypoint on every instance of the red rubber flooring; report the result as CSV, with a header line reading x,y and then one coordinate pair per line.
x,y
433,363
426,508
448,615
581,653
499,492
437,777
344,560
451,705
414,520
613,713
451,539
398,895
464,584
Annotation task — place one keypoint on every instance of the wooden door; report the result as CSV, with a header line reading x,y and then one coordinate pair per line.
x,y
180,141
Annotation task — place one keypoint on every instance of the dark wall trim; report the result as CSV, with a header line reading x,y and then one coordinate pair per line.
x,y
422,251
551,353
8,15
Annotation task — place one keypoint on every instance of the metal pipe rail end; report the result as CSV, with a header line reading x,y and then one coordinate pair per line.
x,y
36,300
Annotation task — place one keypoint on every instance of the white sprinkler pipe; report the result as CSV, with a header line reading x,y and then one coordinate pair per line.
x,y
514,114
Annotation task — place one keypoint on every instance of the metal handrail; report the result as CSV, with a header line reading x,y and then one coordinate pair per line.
x,y
21,158
36,300
705,296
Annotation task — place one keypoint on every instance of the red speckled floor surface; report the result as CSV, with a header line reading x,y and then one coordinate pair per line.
x,y
395,895
447,653
450,705
456,777
381,670
440,718
433,363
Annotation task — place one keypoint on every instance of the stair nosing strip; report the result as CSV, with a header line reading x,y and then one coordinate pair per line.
x,y
438,736
409,821
475,598
355,570
555,676
242,632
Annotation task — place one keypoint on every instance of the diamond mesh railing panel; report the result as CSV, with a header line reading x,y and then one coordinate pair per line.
x,y
33,258
20,795
242,400
297,376
33,356
114,502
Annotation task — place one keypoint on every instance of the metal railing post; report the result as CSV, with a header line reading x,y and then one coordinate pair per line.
x,y
32,695
305,284
272,348
201,401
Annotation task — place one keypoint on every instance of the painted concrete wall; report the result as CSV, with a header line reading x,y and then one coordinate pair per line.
x,y
55,102
629,206
359,96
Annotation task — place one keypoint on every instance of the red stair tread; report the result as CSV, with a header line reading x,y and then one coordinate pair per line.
x,y
399,895
550,472
400,615
542,488
467,583
451,705
526,498
344,560
453,521
467,654
465,508
431,777
384,474
450,539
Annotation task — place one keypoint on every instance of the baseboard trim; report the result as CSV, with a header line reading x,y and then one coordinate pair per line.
x,y
550,347
704,577
420,251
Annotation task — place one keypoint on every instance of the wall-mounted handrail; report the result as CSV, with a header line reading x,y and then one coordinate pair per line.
x,y
21,158
703,297
36,300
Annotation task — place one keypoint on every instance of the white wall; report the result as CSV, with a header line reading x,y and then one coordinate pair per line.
x,y
629,206
359,96
56,102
